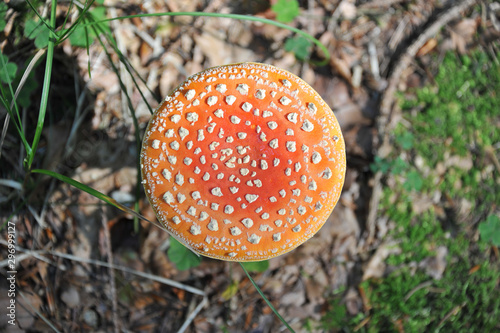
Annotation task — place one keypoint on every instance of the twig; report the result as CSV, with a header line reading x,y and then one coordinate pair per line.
x,y
417,288
332,24
453,312
379,4
109,253
12,184
362,323
152,277
26,73
397,35
24,256
193,315
20,86
39,314
404,61
28,254
38,217
374,64
124,73
387,99
154,43
169,282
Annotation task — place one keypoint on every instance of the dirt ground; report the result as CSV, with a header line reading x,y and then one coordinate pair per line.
x,y
67,240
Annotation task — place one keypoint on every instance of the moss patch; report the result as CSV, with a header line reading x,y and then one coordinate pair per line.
x,y
441,184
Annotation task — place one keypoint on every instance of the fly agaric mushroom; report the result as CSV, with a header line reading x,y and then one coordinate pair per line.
x,y
243,162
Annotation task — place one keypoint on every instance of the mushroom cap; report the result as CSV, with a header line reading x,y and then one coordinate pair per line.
x,y
243,162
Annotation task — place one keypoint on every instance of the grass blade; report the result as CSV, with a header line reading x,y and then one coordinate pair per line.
x,y
10,113
130,106
266,299
103,197
46,86
51,26
95,193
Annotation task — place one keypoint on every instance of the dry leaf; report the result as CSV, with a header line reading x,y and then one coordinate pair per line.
x,y
435,266
296,295
71,297
462,34
376,265
351,114
347,9
218,52
428,47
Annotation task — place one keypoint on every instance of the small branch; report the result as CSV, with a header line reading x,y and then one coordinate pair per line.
x,y
453,312
193,315
123,72
39,314
404,61
387,100
417,288
169,282
156,278
109,254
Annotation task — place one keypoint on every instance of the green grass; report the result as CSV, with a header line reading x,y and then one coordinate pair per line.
x,y
444,185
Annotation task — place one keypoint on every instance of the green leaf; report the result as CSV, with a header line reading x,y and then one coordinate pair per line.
x,y
29,29
181,256
405,140
299,45
490,230
3,11
380,164
398,166
79,37
286,10
230,291
42,39
37,31
83,36
413,181
24,97
7,72
256,266
83,187
99,14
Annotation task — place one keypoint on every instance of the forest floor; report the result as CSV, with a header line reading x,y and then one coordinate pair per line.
x,y
405,234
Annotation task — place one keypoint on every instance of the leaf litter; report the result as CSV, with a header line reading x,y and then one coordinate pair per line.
x,y
164,51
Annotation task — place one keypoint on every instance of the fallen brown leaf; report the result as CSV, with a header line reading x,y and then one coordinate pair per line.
x,y
376,266
462,34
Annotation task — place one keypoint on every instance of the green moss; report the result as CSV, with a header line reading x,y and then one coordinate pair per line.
x,y
459,302
436,201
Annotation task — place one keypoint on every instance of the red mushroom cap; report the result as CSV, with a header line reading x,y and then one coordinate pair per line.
x,y
243,162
